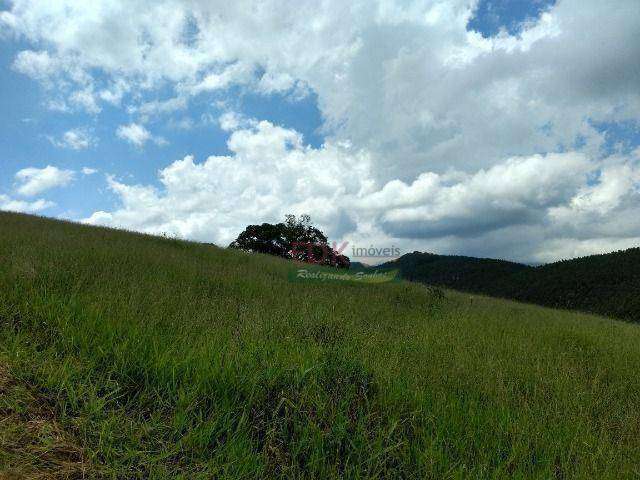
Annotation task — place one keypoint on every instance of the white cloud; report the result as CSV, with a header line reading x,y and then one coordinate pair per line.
x,y
269,174
517,192
272,82
38,65
433,95
230,121
138,135
13,205
134,133
113,93
159,107
33,181
67,82
439,115
236,73
88,171
74,139
272,172
566,248
86,100
58,105
184,123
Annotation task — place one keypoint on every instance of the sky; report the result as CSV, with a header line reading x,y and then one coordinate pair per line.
x,y
495,128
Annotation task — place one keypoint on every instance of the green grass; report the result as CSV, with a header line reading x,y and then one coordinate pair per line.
x,y
130,356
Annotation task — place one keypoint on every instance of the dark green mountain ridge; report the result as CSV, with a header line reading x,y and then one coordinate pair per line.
x,y
607,284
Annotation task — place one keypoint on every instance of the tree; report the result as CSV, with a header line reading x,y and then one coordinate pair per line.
x,y
295,239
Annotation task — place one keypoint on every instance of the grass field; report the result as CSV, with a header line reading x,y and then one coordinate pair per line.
x,y
130,356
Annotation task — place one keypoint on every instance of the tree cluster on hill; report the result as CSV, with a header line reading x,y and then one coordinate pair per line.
x,y
294,239
607,284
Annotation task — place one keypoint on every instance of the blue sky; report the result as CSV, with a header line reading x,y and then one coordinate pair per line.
x,y
492,16
28,124
483,128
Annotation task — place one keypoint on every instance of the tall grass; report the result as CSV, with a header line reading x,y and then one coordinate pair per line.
x,y
167,359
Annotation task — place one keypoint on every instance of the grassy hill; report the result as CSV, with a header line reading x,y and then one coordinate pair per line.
x,y
130,356
602,284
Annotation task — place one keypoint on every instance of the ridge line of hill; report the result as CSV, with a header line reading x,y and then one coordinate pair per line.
x,y
605,284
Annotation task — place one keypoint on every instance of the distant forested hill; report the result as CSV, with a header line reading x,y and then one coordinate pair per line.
x,y
605,284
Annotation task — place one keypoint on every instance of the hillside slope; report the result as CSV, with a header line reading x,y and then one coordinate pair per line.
x,y
602,284
129,356
465,273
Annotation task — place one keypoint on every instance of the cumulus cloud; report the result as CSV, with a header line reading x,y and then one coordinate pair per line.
x,y
234,74
33,181
37,65
138,135
447,136
70,86
74,139
271,171
13,205
230,121
113,93
86,100
517,192
436,95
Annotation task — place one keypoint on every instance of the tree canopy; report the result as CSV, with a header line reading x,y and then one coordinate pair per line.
x,y
294,239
